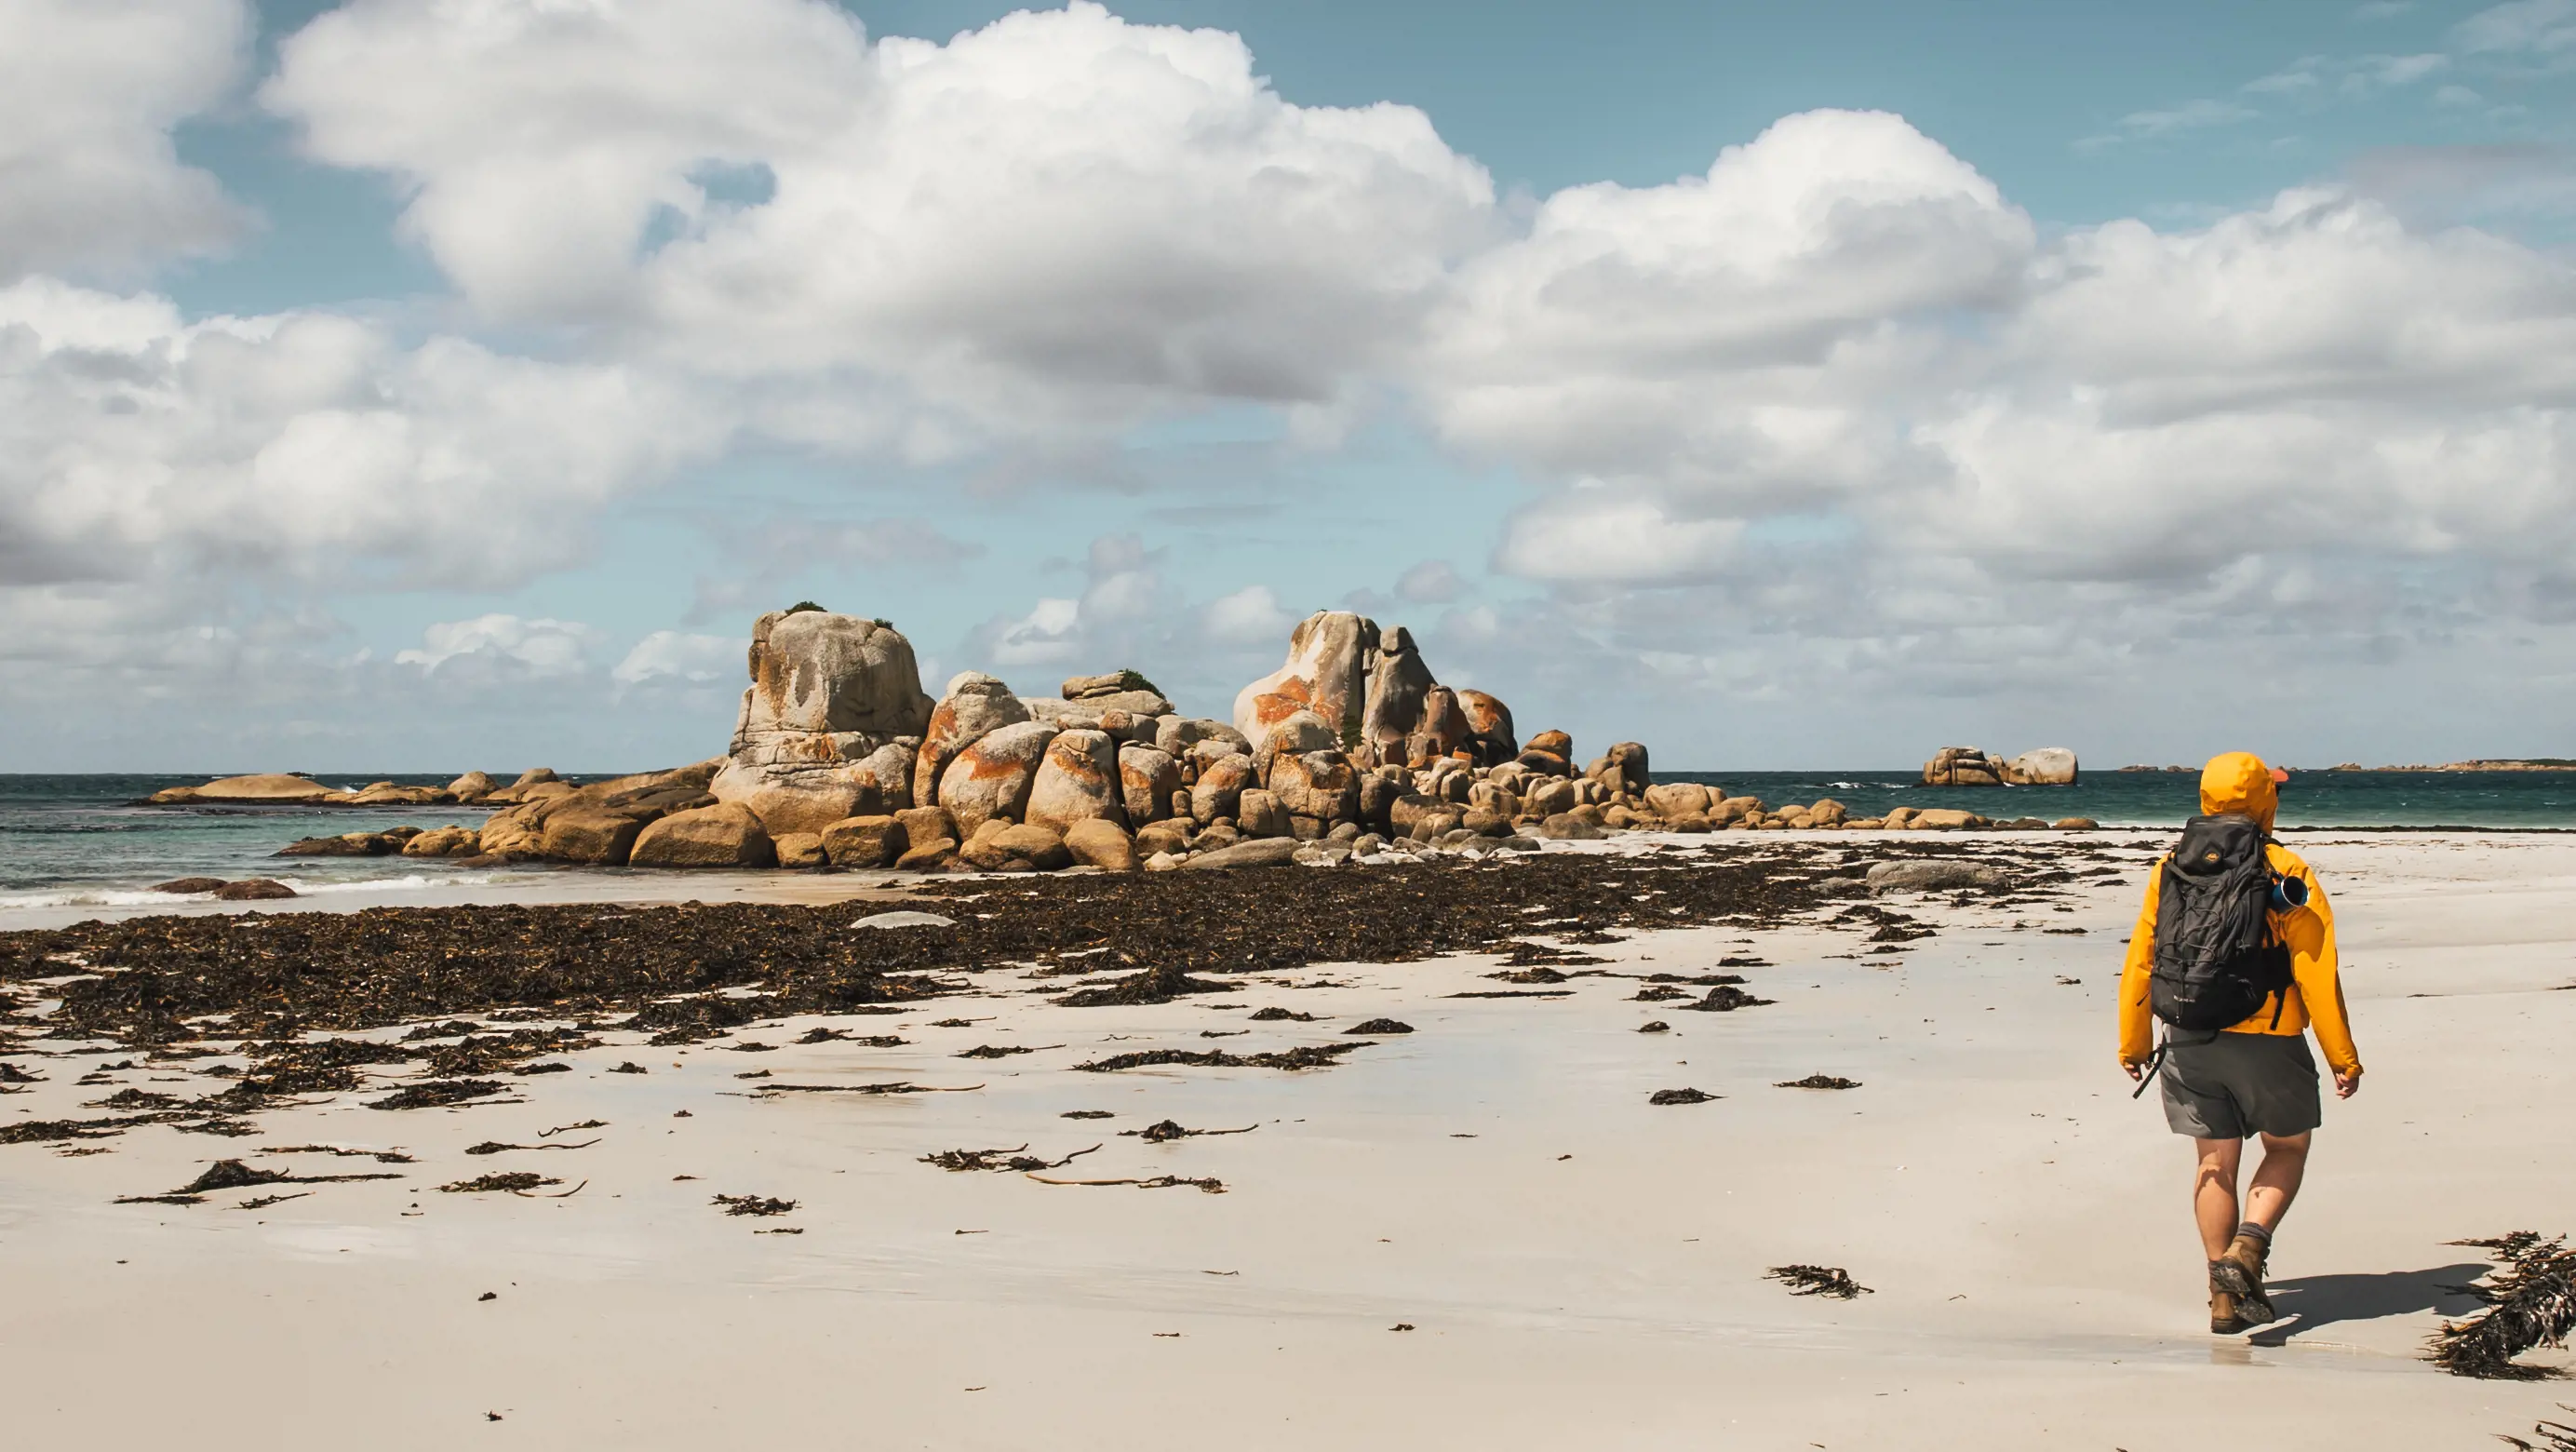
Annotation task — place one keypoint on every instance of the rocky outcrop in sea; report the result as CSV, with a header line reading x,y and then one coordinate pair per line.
x,y
1351,749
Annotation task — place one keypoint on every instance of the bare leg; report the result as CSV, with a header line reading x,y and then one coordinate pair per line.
x,y
2213,1192
2276,1181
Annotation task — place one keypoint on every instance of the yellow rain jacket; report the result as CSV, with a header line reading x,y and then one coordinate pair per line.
x,y
2240,783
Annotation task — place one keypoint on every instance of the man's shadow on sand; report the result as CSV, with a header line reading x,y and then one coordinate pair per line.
x,y
2316,1301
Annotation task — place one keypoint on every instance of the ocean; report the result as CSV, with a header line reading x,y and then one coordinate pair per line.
x,y
77,841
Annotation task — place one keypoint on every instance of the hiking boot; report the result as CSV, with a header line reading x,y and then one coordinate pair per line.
x,y
2223,1317
2239,1273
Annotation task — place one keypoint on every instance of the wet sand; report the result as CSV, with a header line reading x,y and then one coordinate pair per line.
x,y
1578,1266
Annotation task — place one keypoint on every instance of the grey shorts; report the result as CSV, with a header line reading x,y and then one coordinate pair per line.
x,y
2221,1085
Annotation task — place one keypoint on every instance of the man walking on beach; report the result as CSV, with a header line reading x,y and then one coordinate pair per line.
x,y
2227,1081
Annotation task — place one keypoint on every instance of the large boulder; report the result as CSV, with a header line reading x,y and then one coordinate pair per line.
x,y
513,832
386,794
1318,784
816,672
831,698
1077,688
975,706
928,824
1963,766
1329,654
1147,777
347,844
724,835
267,787
1181,735
1549,797
810,798
1219,788
1088,711
1391,710
878,841
588,834
999,846
474,786
1291,735
1377,801
2046,766
1270,852
1099,842
1258,814
445,842
1554,743
1077,779
1489,724
1623,768
990,780
1443,730
1674,799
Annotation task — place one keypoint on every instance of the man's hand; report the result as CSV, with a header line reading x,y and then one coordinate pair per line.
x,y
2136,1070
2347,1084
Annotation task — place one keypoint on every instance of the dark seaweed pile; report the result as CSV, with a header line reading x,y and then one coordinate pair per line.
x,y
2530,1303
680,971
1818,1280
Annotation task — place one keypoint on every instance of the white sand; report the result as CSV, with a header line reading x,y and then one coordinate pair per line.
x,y
2023,1222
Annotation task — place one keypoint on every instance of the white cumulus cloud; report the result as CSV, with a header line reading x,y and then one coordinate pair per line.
x,y
309,445
537,648
1059,215
89,90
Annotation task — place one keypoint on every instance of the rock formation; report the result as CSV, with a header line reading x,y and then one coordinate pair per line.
x,y
831,725
2046,766
1969,766
1327,672
1350,750
1962,766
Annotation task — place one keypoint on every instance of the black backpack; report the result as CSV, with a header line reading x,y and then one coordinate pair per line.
x,y
2215,957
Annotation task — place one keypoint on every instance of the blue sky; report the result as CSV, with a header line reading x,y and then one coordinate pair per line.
x,y
2122,330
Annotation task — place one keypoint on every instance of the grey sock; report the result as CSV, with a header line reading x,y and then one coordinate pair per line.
x,y
2260,1235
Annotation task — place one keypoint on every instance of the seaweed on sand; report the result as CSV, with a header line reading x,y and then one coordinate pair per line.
x,y
688,971
1208,1186
235,1175
494,1146
1160,984
766,1091
513,1181
1818,1081
2554,1436
753,1204
1000,1159
1310,1056
1726,999
1680,1096
1818,1280
2530,1303
1163,1131
437,1093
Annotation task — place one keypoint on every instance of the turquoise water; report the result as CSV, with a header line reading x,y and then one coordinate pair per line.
x,y
76,840
2482,799
72,841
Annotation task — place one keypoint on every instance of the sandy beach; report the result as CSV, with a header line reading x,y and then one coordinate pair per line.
x,y
1480,1232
